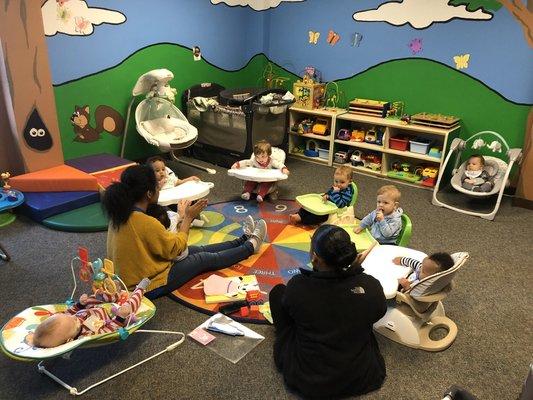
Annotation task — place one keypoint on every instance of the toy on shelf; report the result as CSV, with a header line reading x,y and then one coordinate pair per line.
x,y
341,157
309,92
311,149
344,134
358,135
4,180
373,161
435,152
405,119
8,194
304,126
396,110
399,143
435,120
375,108
429,176
406,173
357,158
321,127
374,136
333,96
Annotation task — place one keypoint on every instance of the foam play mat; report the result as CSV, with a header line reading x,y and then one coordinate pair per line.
x,y
284,251
90,218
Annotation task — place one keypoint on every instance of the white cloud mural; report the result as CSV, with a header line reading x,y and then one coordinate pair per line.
x,y
257,5
74,17
420,14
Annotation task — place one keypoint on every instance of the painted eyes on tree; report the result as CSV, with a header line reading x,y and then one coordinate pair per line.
x,y
37,132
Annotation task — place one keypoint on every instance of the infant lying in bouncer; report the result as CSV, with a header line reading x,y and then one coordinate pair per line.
x,y
87,317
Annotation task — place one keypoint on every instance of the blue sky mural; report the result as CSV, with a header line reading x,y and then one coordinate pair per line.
x,y
229,35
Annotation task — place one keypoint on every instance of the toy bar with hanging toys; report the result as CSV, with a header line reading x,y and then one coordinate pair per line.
x,y
102,274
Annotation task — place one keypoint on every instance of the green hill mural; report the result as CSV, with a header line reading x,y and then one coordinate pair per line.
x,y
423,85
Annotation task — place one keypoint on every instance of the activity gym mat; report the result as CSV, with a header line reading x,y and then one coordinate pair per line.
x,y
284,251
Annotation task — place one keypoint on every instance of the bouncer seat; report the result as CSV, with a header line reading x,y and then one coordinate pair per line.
x,y
498,169
419,312
15,336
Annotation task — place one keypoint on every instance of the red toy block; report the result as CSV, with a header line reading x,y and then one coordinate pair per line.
x,y
244,311
254,312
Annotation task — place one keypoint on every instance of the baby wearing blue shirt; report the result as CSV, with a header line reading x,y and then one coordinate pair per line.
x,y
341,194
385,222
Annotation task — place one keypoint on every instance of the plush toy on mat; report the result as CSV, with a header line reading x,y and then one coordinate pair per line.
x,y
261,171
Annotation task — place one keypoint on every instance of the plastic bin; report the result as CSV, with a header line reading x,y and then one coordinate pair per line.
x,y
398,143
323,153
419,145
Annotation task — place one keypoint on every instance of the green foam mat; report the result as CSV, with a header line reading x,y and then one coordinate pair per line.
x,y
89,218
6,218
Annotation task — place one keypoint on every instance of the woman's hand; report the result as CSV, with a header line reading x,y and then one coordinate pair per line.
x,y
193,210
361,256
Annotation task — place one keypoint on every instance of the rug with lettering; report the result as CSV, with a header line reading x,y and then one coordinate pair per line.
x,y
284,251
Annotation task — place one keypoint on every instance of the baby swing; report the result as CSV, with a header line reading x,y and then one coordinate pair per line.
x,y
14,334
157,119
497,169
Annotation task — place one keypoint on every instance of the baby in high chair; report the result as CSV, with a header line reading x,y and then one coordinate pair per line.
x,y
474,177
87,317
261,158
431,265
166,178
385,222
341,193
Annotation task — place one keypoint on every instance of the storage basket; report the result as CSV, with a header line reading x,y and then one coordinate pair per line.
x,y
398,143
323,153
419,145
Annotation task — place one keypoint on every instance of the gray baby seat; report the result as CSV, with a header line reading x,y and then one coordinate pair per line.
x,y
498,170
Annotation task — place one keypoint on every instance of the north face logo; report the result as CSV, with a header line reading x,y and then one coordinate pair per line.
x,y
357,290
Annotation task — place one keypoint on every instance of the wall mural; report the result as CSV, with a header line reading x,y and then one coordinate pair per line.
x,y
75,17
106,119
257,5
420,14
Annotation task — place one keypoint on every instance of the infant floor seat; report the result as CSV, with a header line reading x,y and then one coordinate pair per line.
x,y
419,312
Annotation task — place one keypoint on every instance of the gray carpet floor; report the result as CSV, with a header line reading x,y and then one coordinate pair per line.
x,y
491,305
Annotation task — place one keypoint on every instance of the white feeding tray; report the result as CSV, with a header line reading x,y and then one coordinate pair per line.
x,y
257,174
191,190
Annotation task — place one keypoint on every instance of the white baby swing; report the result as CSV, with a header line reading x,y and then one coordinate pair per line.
x,y
497,169
157,119
14,334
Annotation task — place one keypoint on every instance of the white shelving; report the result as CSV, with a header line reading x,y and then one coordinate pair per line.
x,y
391,128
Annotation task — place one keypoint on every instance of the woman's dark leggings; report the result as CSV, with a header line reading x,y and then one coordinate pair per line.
x,y
201,259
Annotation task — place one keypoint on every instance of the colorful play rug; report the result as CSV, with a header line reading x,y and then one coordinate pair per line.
x,y
284,251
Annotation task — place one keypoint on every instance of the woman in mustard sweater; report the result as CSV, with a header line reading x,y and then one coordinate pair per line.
x,y
140,246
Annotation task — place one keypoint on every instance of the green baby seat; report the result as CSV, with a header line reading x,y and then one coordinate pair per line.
x,y
314,203
405,233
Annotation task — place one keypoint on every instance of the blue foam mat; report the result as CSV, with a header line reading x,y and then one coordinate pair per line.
x,y
41,205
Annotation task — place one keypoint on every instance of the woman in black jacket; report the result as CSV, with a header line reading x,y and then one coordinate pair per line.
x,y
325,346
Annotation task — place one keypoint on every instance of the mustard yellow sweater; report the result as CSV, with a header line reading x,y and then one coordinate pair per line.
x,y
143,248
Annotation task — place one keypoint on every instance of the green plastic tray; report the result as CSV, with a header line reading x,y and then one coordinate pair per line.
x,y
314,203
362,240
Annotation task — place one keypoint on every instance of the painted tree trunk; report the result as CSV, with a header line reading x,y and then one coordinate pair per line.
x,y
27,76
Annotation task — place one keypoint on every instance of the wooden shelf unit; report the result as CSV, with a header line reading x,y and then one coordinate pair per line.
x,y
339,118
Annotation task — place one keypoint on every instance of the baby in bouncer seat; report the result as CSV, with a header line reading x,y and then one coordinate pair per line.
x,y
431,265
475,178
87,317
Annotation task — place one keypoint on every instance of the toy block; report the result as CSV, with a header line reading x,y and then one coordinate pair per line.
x,y
245,311
41,205
62,178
